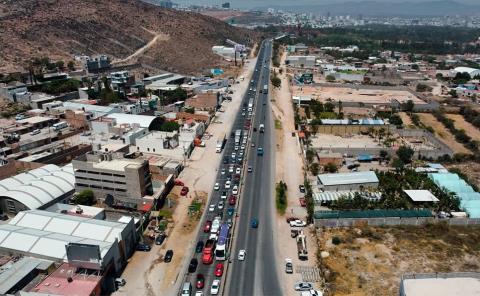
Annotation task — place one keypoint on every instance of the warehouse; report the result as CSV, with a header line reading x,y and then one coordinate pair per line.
x,y
347,181
48,235
36,189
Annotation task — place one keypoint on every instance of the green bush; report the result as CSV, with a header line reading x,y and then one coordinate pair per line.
x,y
336,240
281,197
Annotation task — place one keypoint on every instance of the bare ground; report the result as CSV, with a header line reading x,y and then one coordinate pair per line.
x,y
370,261
460,123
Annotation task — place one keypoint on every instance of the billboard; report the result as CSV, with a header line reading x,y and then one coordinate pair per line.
x,y
84,256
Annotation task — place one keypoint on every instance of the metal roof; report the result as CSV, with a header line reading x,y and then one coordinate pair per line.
x,y
319,197
421,195
40,186
142,120
87,228
372,214
348,178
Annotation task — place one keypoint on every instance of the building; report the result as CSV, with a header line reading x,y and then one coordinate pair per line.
x,y
325,157
13,91
95,110
144,121
121,81
36,189
78,211
301,61
471,71
347,181
224,51
97,63
421,196
441,284
14,276
172,144
114,180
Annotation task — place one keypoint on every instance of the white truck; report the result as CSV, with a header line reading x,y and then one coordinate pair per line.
x,y
265,89
261,128
238,136
250,104
220,143
302,247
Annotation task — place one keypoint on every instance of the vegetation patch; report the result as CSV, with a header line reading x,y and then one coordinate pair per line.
x,y
281,197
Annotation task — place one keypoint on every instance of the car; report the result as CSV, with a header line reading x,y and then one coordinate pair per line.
x,y
200,281
250,169
219,270
160,238
297,223
143,247
243,146
252,144
211,208
303,286
120,282
220,205
199,293
224,195
168,256
229,222
215,288
260,151
192,267
213,236
236,179
241,255
235,190
178,183
230,211
232,200
228,184
302,201
254,223
207,226
236,148
35,132
239,160
199,247
238,171
223,171
243,113
288,266
234,155
301,188
230,169
216,186
225,160
184,191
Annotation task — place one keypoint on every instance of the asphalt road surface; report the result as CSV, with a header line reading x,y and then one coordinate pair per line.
x,y
257,275
254,201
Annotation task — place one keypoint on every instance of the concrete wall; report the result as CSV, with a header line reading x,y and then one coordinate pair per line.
x,y
391,221
346,129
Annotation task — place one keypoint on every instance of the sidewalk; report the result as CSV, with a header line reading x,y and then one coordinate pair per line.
x,y
146,274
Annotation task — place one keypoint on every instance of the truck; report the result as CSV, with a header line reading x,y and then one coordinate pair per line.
x,y
208,252
265,89
60,125
261,128
221,143
302,246
238,136
250,104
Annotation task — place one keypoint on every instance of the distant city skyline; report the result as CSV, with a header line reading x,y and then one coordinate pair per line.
x,y
246,4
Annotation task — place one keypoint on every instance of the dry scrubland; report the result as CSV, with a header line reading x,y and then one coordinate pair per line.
x,y
371,260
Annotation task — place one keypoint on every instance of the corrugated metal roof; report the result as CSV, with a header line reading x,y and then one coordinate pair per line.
x,y
372,214
348,178
142,120
319,197
421,195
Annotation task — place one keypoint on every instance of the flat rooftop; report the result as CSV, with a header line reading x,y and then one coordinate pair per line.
x,y
117,164
348,178
461,286
35,120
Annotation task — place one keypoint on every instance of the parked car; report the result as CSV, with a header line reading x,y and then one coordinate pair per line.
x,y
298,223
238,171
160,238
35,132
303,286
192,267
219,270
207,226
241,255
200,282
228,183
168,256
120,282
143,247
291,219
184,191
288,265
301,188
199,247
302,201
220,205
224,195
250,169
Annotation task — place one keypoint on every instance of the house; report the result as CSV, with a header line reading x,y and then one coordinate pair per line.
x,y
14,91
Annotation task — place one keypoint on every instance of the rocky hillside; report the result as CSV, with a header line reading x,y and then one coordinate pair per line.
x,y
128,31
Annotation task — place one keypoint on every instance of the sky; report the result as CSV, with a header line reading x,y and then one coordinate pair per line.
x,y
245,4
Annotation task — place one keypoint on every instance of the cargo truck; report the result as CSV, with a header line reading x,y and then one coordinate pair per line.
x,y
250,105
265,89
221,143
238,136
208,252
302,247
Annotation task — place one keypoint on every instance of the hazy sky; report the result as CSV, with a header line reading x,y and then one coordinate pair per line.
x,y
260,3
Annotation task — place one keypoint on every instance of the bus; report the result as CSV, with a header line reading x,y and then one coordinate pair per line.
x,y
60,125
222,243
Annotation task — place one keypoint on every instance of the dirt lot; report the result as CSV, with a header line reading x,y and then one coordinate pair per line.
x,y
367,96
370,261
460,123
470,169
444,134
405,118
353,141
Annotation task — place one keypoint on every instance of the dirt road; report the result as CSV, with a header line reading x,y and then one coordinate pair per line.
x,y
141,50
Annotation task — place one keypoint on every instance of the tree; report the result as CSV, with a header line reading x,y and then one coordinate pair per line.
x,y
329,107
396,120
423,88
405,154
85,197
330,78
383,154
276,82
169,126
453,93
310,154
408,106
315,168
330,167
71,65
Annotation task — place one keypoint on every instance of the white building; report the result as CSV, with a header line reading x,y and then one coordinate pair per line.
x,y
171,144
224,51
301,61
471,71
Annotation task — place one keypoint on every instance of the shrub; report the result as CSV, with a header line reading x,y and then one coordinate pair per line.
x,y
336,240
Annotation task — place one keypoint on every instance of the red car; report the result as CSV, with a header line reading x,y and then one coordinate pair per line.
x,y
184,191
208,225
303,203
219,270
200,283
232,200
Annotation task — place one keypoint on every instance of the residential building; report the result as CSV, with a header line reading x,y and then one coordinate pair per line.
x,y
224,51
114,179
172,144
97,63
13,91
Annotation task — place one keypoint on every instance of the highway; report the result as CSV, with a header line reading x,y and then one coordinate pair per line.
x,y
254,199
257,275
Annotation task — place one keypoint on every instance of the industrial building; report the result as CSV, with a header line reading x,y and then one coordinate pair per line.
x,y
36,189
301,61
15,275
114,179
54,236
347,181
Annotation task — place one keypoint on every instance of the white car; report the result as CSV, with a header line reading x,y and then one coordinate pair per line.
x,y
303,286
223,171
228,184
213,236
220,205
242,147
211,208
236,148
298,223
35,132
235,189
216,186
238,171
199,293
230,169
215,287
224,195
241,255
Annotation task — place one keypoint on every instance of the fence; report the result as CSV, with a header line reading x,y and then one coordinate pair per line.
x,y
392,221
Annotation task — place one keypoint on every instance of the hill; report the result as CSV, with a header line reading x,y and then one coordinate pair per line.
x,y
128,31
